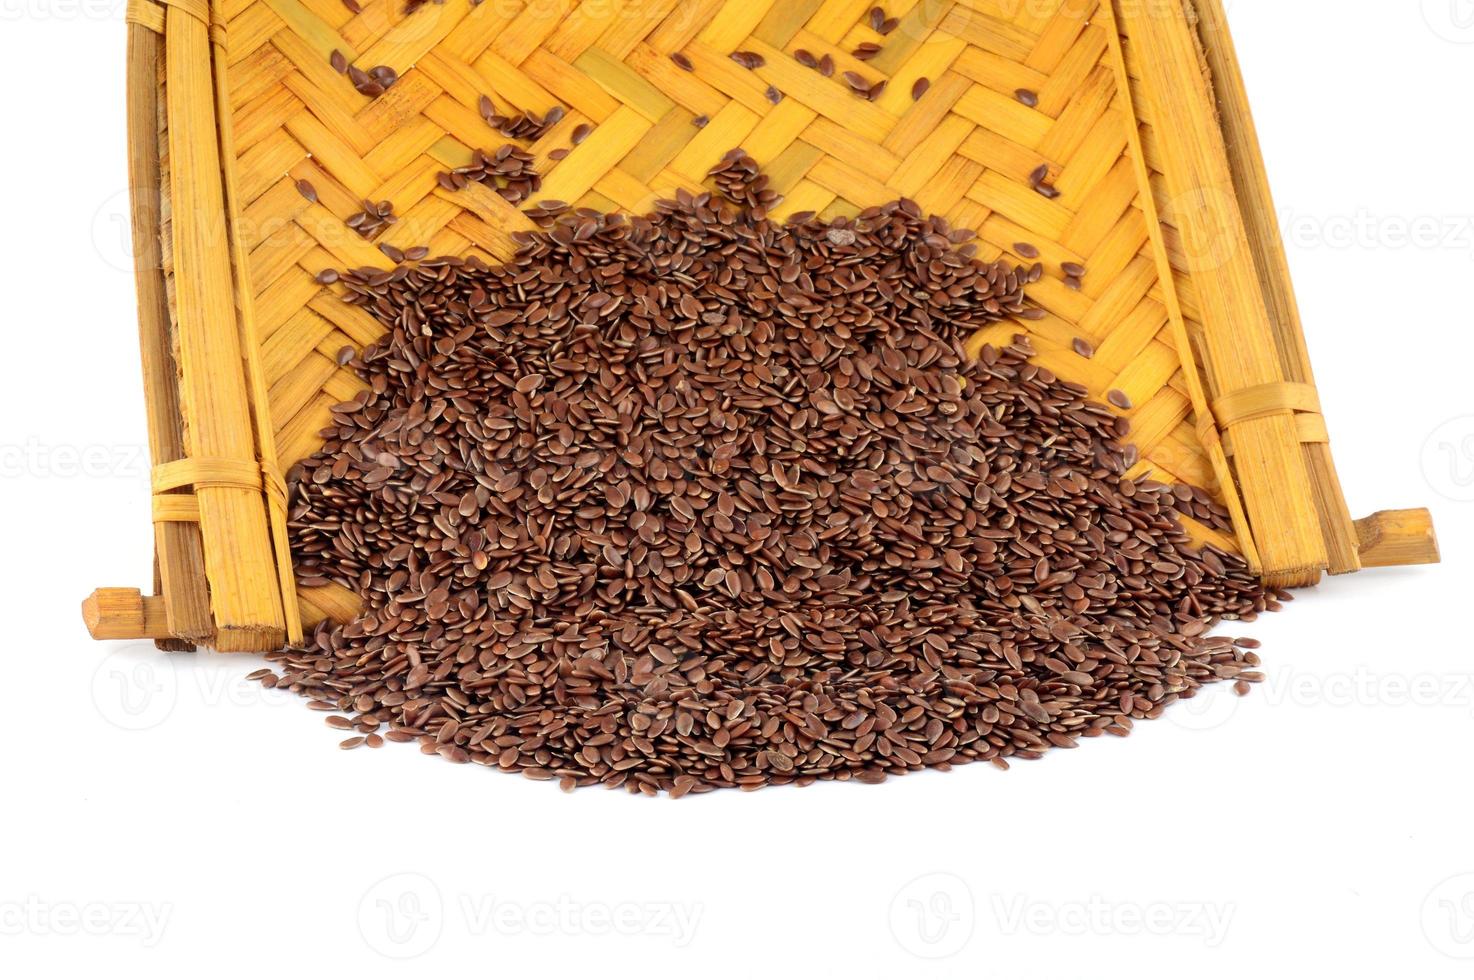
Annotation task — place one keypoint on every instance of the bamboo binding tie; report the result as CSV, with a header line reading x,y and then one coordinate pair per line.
x,y
1278,398
203,472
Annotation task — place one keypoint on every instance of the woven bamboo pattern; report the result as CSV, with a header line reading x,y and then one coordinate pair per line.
x,y
1132,205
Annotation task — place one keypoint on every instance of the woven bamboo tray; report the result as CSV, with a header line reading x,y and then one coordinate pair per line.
x,y
1141,119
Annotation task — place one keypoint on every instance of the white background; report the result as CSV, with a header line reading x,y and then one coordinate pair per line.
x,y
162,819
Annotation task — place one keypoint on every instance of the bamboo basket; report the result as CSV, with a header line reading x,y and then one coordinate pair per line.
x,y
1141,119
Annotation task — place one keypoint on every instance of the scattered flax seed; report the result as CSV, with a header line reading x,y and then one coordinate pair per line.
x,y
877,18
1073,269
580,133
877,90
417,253
805,58
1118,398
373,219
352,743
1028,97
681,61
374,740
773,95
558,154
352,6
619,516
1073,282
1083,347
510,171
920,88
394,254
374,82
305,188
1039,174
1026,250
888,25
701,122
338,61
749,59
826,66
326,277
866,51
521,125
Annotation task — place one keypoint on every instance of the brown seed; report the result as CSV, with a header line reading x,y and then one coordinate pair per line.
x,y
866,51
1028,97
1118,398
1026,250
338,61
826,66
352,743
773,95
306,189
1083,347
701,122
580,133
606,526
681,61
1073,269
877,18
920,88
806,58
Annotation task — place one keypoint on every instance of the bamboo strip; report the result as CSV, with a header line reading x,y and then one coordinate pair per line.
x,y
233,526
179,554
126,614
1251,184
1241,341
1397,537
1191,373
275,491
